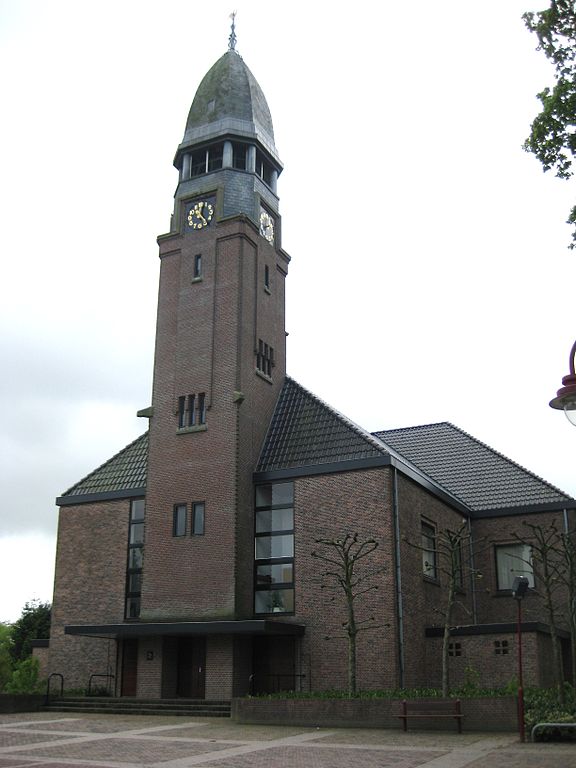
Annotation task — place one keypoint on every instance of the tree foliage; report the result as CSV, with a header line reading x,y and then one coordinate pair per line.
x,y
552,136
33,624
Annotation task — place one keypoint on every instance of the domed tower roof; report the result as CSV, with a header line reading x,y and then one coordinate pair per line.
x,y
229,101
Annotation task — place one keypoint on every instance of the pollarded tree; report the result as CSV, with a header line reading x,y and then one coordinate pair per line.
x,y
553,133
342,556
545,544
446,556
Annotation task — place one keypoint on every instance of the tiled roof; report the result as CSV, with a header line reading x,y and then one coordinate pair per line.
x,y
306,431
480,477
123,472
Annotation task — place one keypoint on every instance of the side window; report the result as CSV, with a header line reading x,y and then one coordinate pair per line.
x,y
513,560
429,553
135,559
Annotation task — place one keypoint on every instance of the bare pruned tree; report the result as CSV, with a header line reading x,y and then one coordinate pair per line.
x,y
342,555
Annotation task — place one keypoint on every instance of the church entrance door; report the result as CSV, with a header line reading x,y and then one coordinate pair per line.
x,y
191,668
129,667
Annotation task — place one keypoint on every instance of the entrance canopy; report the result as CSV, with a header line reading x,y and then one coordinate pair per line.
x,y
173,629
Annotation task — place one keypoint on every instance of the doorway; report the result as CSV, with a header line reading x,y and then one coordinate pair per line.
x,y
191,668
129,668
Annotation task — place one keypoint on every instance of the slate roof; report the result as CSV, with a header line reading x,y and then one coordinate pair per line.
x,y
306,431
479,476
123,472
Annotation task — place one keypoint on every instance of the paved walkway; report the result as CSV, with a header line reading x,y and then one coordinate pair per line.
x,y
114,741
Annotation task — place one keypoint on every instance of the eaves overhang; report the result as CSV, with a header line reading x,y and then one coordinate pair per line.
x,y
524,509
353,465
89,498
503,628
185,628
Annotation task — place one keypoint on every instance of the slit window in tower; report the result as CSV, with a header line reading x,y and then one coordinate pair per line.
x,y
198,508
181,412
264,358
179,520
191,411
201,408
267,277
198,265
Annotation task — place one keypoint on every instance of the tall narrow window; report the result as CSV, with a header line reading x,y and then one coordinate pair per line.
x,y
179,520
198,509
274,549
429,565
135,559
239,156
201,408
197,266
191,410
181,412
267,277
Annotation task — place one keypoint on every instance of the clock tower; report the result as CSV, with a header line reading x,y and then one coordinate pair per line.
x,y
219,364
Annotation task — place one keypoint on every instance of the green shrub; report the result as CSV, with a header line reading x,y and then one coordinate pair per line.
x,y
541,706
25,678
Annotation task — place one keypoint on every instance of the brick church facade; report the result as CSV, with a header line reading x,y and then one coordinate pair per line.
x,y
184,564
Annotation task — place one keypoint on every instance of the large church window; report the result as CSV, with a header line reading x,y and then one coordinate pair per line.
x,y
274,548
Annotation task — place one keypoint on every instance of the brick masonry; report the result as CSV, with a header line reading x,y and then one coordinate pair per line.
x,y
482,714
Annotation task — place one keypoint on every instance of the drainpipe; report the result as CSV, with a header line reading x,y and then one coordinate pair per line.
x,y
472,575
399,608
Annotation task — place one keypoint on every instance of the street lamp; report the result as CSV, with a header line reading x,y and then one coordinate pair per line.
x,y
519,588
565,399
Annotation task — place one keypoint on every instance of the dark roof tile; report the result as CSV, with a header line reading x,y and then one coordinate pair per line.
x,y
306,431
124,471
479,476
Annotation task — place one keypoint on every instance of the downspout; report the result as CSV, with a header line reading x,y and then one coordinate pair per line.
x,y
399,608
472,574
566,523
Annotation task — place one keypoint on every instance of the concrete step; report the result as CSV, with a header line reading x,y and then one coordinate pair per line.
x,y
125,706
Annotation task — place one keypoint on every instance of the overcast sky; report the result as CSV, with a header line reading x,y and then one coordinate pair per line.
x,y
430,276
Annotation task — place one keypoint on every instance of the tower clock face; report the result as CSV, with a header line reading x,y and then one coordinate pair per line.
x,y
200,214
267,226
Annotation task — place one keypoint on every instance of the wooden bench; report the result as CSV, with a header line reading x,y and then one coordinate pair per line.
x,y
432,710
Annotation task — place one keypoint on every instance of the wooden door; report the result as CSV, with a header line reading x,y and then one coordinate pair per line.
x,y
129,668
191,682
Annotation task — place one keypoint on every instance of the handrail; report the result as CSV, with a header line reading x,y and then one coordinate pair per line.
x,y
54,674
108,677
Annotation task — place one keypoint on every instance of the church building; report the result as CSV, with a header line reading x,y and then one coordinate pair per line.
x,y
185,563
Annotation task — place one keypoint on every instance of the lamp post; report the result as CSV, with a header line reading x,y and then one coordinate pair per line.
x,y
565,399
519,589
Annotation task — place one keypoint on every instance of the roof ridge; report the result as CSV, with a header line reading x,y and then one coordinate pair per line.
x,y
104,464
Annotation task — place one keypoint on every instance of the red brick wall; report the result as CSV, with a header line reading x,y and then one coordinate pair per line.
x,y
423,600
206,337
495,606
480,664
89,587
331,506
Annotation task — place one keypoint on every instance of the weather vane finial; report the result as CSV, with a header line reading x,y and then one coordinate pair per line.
x,y
232,38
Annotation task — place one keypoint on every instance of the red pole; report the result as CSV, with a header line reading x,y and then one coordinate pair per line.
x,y
520,680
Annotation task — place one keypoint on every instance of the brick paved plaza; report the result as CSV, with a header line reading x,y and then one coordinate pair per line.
x,y
111,741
